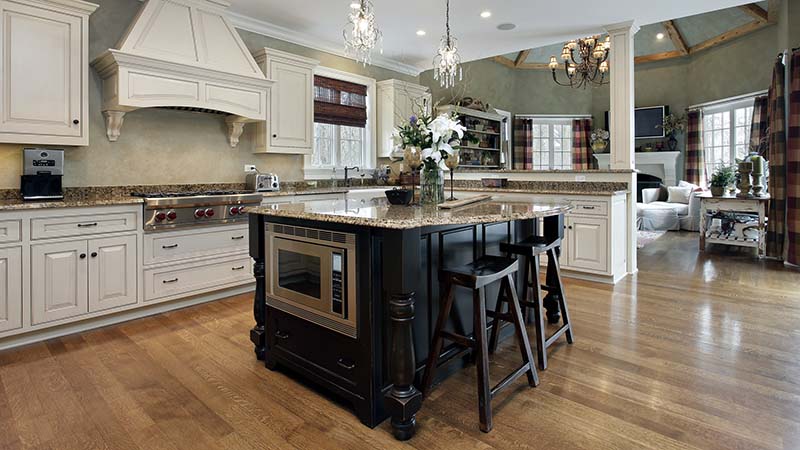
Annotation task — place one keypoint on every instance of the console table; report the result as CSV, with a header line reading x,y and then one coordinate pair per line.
x,y
756,205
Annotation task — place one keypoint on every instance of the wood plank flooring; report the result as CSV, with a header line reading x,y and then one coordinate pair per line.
x,y
695,351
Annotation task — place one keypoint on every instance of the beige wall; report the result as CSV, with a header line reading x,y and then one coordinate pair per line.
x,y
163,146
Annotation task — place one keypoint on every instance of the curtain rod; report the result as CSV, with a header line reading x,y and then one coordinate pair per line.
x,y
728,100
553,116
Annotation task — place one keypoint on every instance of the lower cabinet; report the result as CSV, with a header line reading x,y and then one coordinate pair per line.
x,y
72,278
10,288
170,281
586,242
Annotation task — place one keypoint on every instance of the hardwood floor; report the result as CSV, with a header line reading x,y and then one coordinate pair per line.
x,y
695,351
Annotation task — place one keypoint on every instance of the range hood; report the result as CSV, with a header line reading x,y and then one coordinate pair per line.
x,y
182,54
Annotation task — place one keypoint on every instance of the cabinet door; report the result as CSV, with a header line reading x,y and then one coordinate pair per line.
x,y
112,272
292,107
58,281
588,243
10,288
41,70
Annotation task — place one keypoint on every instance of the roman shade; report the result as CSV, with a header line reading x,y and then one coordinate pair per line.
x,y
340,102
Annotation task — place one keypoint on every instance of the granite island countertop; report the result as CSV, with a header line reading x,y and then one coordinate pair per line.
x,y
79,202
378,213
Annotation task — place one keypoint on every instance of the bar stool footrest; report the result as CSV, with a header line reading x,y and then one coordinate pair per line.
x,y
510,378
554,337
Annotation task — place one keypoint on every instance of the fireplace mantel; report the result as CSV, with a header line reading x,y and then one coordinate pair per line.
x,y
661,164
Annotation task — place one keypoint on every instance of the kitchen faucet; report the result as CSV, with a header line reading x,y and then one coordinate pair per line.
x,y
347,180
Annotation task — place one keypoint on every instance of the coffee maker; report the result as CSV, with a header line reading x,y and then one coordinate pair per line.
x,y
42,172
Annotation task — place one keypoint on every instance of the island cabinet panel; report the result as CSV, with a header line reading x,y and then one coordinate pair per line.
x,y
10,288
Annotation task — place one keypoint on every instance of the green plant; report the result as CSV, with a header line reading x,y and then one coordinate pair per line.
x,y
723,177
673,124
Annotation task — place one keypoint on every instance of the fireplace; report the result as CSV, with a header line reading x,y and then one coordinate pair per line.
x,y
646,181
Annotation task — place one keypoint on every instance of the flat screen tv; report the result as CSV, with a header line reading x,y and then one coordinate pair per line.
x,y
648,121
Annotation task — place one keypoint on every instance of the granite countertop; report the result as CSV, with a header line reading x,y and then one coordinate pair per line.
x,y
466,168
378,213
79,202
533,191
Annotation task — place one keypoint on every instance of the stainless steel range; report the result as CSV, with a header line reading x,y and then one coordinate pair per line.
x,y
169,210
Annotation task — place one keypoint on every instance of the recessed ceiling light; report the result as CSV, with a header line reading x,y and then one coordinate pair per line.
x,y
660,36
506,26
421,33
486,14
355,5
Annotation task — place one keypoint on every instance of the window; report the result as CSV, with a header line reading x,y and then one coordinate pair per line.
x,y
337,146
552,144
726,134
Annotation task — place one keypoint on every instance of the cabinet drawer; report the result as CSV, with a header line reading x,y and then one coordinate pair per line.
x,y
80,225
589,208
10,231
189,278
172,246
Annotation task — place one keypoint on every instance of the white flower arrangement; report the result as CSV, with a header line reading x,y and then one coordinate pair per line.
x,y
437,138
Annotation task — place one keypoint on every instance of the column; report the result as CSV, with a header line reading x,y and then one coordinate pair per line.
x,y
621,120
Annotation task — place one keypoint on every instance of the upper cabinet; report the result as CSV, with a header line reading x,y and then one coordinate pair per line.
x,y
397,101
290,123
44,71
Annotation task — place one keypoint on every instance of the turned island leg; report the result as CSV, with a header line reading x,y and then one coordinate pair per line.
x,y
258,333
400,277
553,229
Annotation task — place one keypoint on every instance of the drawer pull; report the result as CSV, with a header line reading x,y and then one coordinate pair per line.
x,y
587,207
281,335
87,225
174,280
237,268
344,365
237,238
169,246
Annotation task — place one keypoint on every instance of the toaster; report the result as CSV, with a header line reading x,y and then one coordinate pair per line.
x,y
261,182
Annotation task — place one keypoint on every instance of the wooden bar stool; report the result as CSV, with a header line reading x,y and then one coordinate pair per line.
x,y
531,249
476,276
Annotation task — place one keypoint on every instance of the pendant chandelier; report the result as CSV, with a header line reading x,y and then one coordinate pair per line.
x,y
591,65
447,62
361,34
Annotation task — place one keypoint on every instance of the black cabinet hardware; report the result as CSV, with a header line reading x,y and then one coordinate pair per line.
x,y
94,254
87,225
346,365
281,335
76,121
174,280
169,246
82,255
236,238
237,268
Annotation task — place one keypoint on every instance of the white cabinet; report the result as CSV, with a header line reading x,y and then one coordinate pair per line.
x,y
43,65
58,281
10,288
586,243
290,123
73,278
397,101
112,272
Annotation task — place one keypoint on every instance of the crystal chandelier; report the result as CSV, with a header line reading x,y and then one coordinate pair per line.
x,y
447,62
361,35
591,66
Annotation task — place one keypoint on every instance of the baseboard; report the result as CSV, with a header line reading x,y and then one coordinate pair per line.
x,y
123,316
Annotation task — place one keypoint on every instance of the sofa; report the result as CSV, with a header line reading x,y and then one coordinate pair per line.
x,y
656,213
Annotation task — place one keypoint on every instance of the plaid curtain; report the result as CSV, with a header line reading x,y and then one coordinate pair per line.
x,y
793,167
582,154
758,128
523,144
776,225
695,162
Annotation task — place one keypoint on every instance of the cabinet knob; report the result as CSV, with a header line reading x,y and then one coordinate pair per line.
x,y
76,121
82,255
94,254
570,227
274,135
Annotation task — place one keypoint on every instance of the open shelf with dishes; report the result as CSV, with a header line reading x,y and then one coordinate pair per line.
x,y
482,145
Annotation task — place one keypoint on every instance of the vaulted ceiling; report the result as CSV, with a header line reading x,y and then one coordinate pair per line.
x,y
679,37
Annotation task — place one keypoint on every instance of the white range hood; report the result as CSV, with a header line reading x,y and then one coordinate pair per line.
x,y
183,54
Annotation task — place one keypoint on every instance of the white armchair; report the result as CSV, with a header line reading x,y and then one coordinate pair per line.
x,y
655,213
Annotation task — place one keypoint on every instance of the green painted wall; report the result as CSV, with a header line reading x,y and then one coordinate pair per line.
x,y
483,79
163,146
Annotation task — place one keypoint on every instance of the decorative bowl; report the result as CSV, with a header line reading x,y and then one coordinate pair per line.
x,y
400,196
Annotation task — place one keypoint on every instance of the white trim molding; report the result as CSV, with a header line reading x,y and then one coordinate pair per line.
x,y
666,162
264,28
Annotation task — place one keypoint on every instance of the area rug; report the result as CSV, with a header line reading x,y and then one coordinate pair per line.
x,y
644,238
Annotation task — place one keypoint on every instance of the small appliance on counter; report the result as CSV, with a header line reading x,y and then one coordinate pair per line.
x,y
41,175
262,182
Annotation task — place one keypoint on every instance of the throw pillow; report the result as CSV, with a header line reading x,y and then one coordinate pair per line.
x,y
695,188
677,194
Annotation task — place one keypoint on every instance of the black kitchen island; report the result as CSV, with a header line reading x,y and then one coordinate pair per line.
x,y
347,296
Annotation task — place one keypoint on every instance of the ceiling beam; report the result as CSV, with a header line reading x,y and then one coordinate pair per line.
x,y
658,57
728,36
538,66
504,61
755,11
521,57
773,9
677,38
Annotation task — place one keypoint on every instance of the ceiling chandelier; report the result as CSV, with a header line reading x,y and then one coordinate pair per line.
x,y
361,34
591,66
447,62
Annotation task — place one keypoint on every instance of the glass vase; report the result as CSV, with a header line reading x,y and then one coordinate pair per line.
x,y
432,186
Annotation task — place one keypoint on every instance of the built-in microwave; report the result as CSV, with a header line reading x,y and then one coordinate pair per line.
x,y
311,274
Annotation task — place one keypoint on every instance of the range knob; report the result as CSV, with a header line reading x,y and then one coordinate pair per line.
x,y
198,213
234,210
209,212
172,215
160,216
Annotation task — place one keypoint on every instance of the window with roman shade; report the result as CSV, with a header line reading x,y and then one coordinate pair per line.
x,y
338,102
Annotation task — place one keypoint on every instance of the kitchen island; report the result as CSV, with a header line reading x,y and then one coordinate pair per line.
x,y
347,295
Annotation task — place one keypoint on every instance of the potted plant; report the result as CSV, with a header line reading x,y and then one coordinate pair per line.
x,y
721,180
673,124
599,140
